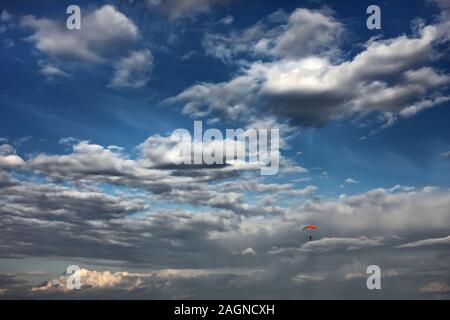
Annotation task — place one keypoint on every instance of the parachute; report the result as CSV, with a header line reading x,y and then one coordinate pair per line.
x,y
309,227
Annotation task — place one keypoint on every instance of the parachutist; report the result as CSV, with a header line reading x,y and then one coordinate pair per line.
x,y
309,227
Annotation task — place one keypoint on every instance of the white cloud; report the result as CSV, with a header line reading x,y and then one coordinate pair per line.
x,y
307,32
248,252
85,158
304,191
351,181
95,280
230,100
327,244
303,278
254,186
312,87
133,71
88,279
109,31
427,242
227,20
167,152
302,33
10,161
382,209
6,149
152,172
52,72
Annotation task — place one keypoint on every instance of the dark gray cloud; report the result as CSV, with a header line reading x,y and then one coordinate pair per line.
x,y
218,227
382,226
90,223
312,276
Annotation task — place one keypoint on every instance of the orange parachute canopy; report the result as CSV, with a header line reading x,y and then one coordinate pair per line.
x,y
310,226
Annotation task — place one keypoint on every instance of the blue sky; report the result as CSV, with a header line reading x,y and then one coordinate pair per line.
x,y
84,107
87,117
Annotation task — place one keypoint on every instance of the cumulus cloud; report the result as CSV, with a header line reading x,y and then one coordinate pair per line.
x,y
377,207
312,87
94,163
86,159
226,154
230,100
133,71
10,161
109,32
87,279
153,172
302,33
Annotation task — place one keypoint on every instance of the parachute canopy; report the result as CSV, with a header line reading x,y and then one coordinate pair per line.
x,y
310,226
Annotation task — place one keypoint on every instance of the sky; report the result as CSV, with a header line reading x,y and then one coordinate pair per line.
x,y
87,147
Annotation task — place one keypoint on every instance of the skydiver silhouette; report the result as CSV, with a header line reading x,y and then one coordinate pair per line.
x,y
310,238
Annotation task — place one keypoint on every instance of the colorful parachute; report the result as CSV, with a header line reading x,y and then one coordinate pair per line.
x,y
309,227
